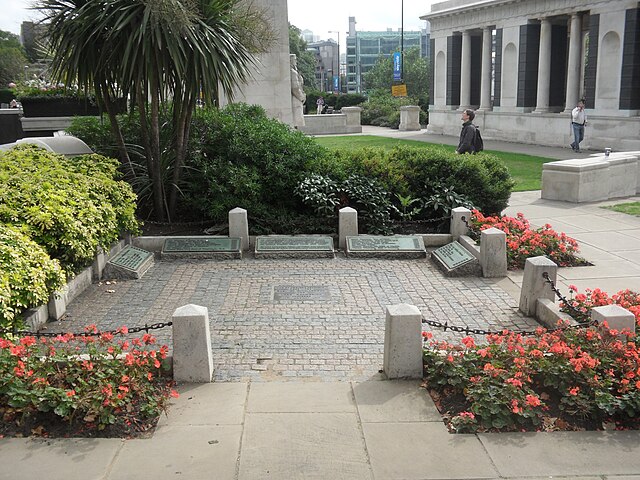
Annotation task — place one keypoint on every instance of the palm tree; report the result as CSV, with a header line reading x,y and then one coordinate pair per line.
x,y
156,52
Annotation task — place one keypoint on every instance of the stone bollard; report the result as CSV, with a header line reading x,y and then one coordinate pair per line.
x,y
493,253
239,226
353,114
192,358
534,286
410,118
347,225
403,342
617,317
458,226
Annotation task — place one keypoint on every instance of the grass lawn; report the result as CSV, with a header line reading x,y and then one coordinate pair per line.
x,y
631,208
526,170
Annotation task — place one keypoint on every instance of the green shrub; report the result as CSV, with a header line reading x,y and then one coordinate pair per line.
x,y
383,110
27,275
69,206
350,100
6,95
422,173
241,158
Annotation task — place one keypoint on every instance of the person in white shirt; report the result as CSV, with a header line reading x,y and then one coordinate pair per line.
x,y
578,122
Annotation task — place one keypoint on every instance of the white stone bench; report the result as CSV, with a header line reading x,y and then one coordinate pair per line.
x,y
591,179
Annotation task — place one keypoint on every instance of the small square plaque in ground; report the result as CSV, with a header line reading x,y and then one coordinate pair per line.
x,y
131,262
453,257
301,293
395,246
202,247
285,246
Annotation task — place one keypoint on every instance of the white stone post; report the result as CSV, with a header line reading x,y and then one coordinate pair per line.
x,y
347,225
459,217
485,82
409,118
465,71
493,253
192,358
239,226
534,286
544,67
353,114
617,317
403,342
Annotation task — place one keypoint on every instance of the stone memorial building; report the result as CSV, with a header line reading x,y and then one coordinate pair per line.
x,y
524,64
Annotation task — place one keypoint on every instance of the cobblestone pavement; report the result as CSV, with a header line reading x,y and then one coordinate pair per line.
x,y
279,319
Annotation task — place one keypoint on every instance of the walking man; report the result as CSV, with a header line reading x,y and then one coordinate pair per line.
x,y
468,133
578,122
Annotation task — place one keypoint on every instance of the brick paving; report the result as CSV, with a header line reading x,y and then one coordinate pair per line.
x,y
284,319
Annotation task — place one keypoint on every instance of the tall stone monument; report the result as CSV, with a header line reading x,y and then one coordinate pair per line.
x,y
270,85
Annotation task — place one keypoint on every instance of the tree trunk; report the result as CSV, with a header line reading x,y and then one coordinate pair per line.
x,y
183,112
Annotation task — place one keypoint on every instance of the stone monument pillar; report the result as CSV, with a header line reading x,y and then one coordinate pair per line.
x,y
298,96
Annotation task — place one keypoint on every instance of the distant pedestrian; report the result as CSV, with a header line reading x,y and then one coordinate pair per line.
x,y
578,122
468,133
319,105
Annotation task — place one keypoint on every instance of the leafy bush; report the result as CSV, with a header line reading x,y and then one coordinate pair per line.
x,y
27,275
509,383
383,110
420,173
241,158
524,242
116,382
69,206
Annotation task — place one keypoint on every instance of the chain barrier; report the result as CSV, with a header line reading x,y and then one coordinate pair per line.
x,y
464,219
27,333
578,315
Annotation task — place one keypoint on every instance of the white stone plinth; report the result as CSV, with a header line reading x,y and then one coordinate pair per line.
x,y
403,342
347,225
239,226
460,216
353,114
534,286
192,359
493,253
617,317
577,180
409,118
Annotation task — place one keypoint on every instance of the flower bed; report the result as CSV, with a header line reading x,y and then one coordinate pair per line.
x,y
524,242
82,385
567,379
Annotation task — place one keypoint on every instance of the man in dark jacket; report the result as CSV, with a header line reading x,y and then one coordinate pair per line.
x,y
468,132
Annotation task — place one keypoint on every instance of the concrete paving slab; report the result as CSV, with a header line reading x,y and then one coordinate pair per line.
x,y
635,233
207,404
609,285
595,255
613,268
57,459
558,225
543,211
564,453
622,477
595,223
608,241
194,452
412,451
632,255
285,397
285,446
394,401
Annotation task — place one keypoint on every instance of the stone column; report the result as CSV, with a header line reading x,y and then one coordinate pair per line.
x,y
493,253
573,71
353,119
544,67
534,286
409,118
192,358
239,226
458,225
485,87
465,71
347,225
403,342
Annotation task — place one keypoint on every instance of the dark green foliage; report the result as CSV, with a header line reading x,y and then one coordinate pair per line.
x,y
6,95
306,59
241,158
333,100
383,110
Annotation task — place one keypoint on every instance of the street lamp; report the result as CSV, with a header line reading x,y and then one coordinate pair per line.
x,y
332,66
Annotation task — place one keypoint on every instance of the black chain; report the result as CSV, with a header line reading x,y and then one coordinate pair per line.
x,y
464,219
578,315
26,333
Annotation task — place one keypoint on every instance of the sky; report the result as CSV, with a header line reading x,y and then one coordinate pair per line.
x,y
317,16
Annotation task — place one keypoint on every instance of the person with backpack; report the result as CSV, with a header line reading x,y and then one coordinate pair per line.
x,y
470,139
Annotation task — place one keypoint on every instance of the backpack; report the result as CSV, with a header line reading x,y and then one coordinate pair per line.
x,y
478,144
